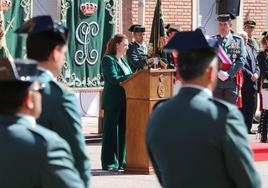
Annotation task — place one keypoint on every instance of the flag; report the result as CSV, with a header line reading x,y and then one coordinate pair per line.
x,y
91,24
157,38
12,15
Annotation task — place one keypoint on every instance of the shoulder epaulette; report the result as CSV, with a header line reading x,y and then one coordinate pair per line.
x,y
238,37
159,103
221,103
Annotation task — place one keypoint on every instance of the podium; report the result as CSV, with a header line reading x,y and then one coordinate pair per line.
x,y
143,90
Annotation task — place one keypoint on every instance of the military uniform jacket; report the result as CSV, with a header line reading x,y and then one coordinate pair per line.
x,y
255,45
235,49
61,113
136,56
194,141
34,157
113,94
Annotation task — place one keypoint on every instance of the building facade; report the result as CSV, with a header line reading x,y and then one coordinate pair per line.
x,y
190,14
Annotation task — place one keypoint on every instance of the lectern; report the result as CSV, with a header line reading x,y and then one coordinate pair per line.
x,y
143,90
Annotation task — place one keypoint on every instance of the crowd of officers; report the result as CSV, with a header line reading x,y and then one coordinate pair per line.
x,y
41,139
241,77
54,154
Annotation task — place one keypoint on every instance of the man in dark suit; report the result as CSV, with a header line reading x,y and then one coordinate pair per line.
x,y
47,43
251,72
193,139
31,155
227,88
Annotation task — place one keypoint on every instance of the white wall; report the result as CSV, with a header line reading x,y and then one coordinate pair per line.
x,y
207,16
45,7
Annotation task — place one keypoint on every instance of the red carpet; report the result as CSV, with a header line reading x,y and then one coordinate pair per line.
x,y
260,151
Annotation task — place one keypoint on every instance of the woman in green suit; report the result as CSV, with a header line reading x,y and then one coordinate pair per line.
x,y
115,70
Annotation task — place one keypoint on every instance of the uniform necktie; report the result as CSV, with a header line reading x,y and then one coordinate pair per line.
x,y
250,42
224,40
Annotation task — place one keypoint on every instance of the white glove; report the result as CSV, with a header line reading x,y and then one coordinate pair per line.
x,y
223,75
156,60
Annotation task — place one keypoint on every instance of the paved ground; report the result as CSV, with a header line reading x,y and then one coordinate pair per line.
x,y
103,179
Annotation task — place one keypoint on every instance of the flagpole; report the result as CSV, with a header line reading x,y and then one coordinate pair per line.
x,y
141,12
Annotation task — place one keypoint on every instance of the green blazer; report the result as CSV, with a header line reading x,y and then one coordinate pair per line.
x,y
136,56
194,140
113,94
61,113
34,157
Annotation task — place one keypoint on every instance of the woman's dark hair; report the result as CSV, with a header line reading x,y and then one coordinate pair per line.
x,y
111,45
40,45
264,40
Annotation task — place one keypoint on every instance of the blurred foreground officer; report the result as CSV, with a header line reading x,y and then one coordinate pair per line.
x,y
47,43
194,140
31,155
228,76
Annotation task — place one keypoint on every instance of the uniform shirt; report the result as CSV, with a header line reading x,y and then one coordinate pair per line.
x,y
34,156
136,56
61,113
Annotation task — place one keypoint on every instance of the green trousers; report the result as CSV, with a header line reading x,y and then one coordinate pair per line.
x,y
113,153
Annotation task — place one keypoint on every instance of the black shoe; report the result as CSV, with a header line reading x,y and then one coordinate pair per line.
x,y
250,132
121,169
110,169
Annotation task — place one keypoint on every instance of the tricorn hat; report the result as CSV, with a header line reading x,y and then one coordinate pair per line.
x,y
40,24
16,77
250,23
131,28
225,17
173,27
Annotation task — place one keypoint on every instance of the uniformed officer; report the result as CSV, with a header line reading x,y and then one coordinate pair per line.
x,y
137,52
249,27
31,155
193,139
171,30
47,43
227,87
